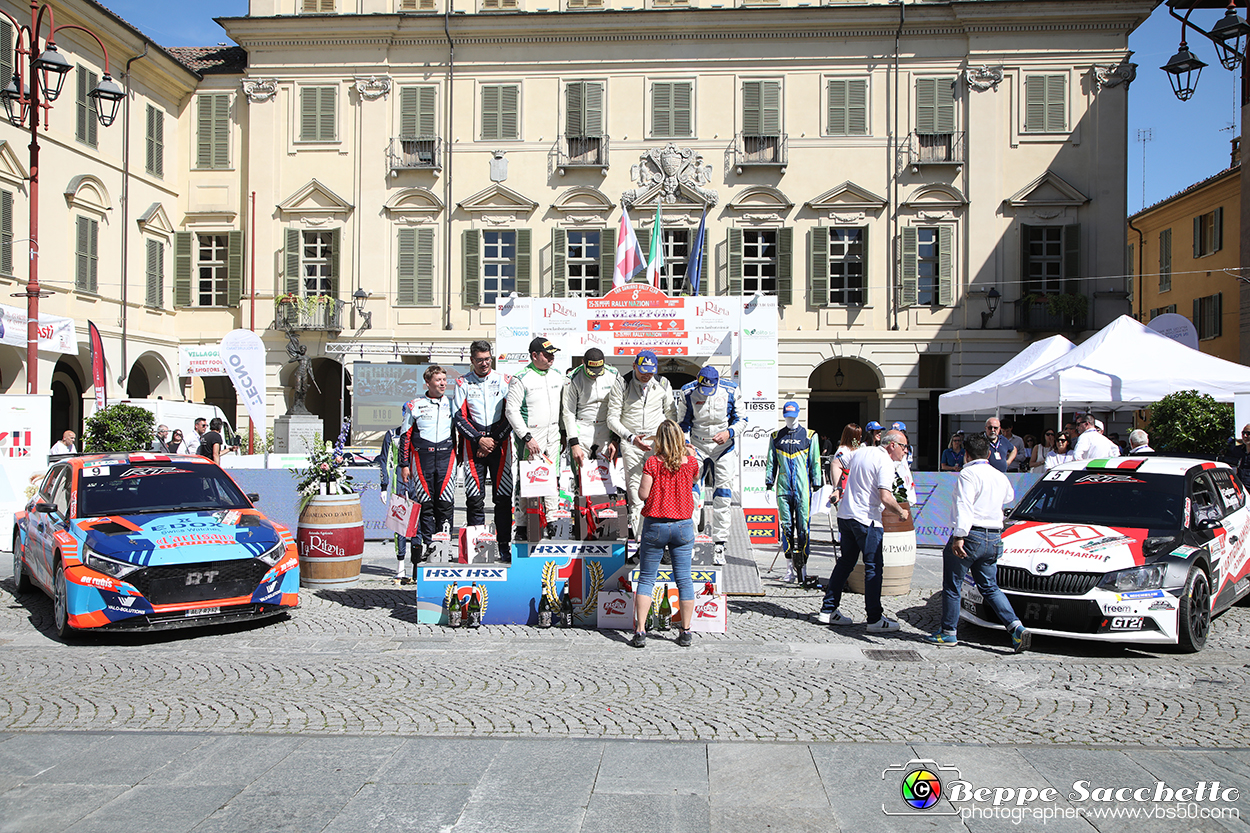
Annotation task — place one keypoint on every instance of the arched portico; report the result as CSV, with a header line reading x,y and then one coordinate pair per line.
x,y
843,390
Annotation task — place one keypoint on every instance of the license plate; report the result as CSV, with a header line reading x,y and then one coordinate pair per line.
x,y
204,611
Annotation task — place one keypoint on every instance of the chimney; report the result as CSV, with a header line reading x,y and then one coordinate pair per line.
x,y
1236,152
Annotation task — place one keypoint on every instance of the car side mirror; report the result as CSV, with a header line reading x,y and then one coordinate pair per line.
x,y
45,508
1209,523
1007,512
254,497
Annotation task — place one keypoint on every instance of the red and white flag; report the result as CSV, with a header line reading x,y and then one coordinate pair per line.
x,y
629,258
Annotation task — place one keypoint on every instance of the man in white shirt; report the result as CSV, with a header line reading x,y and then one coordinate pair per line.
x,y
1139,442
976,545
869,489
65,445
1091,444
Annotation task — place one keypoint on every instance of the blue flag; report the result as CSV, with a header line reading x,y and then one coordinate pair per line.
x,y
694,268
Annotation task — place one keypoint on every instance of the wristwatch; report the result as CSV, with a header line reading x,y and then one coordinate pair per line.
x,y
526,438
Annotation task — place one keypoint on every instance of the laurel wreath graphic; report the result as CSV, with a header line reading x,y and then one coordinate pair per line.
x,y
481,589
596,583
549,585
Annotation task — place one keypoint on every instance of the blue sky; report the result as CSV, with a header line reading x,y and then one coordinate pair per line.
x,y
1190,139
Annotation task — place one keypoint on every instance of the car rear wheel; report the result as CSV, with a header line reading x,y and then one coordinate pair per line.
x,y
20,578
1194,620
60,603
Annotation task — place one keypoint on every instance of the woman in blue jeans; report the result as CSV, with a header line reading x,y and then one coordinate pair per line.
x,y
668,506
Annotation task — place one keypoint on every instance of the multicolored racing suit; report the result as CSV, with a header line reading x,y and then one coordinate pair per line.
x,y
427,449
636,410
478,411
584,413
793,472
533,411
702,417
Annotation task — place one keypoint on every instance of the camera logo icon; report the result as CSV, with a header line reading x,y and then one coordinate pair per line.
x,y
920,788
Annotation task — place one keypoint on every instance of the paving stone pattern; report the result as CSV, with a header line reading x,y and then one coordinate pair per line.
x,y
355,662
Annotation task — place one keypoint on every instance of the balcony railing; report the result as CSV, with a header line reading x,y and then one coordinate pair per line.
x,y
1034,316
936,149
408,152
761,151
582,152
314,312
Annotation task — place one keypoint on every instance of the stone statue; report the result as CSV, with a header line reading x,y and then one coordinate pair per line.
x,y
303,372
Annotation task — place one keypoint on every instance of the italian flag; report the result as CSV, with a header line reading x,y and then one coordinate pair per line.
x,y
1127,463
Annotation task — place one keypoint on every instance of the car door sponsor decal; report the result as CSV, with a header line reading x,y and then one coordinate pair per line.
x,y
1106,478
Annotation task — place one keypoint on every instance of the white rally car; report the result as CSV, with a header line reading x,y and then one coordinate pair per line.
x,y
1130,549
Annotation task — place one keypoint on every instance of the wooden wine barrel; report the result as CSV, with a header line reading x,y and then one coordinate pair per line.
x,y
331,540
898,554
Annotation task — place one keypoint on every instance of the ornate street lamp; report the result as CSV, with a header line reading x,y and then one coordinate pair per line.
x,y
1183,72
991,301
1229,36
38,78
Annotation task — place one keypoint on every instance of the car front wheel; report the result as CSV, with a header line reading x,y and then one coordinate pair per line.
x,y
60,604
1194,620
20,578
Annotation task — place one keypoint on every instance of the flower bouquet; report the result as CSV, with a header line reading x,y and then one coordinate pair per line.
x,y
327,469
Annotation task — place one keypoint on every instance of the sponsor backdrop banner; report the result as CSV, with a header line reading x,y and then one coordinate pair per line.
x,y
244,355
56,334
379,391
513,333
201,360
935,503
755,370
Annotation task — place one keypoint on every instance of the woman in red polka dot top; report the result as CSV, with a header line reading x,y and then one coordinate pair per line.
x,y
666,489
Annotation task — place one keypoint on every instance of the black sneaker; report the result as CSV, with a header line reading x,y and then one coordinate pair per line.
x,y
685,639
639,640
549,532
521,534
666,559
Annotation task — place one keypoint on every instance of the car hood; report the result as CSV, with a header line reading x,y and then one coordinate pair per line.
x,y
180,537
1048,548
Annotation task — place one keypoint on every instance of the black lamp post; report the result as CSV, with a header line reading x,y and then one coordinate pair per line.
x,y
27,99
991,301
1229,36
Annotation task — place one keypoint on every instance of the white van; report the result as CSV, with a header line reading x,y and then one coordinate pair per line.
x,y
182,415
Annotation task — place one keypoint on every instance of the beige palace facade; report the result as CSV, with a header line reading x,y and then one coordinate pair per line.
x,y
889,171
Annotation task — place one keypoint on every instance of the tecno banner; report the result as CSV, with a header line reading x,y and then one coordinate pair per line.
x,y
243,353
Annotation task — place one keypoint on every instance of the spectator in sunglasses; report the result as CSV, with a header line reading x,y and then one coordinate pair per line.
x,y
1239,457
1062,452
1037,462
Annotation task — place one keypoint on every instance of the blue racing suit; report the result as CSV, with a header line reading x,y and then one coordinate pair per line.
x,y
793,472
702,417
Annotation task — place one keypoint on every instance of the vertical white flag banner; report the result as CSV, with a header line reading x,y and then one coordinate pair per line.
x,y
756,368
513,327
243,353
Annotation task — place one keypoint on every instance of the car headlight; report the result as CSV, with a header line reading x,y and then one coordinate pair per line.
x,y
109,566
1149,577
274,554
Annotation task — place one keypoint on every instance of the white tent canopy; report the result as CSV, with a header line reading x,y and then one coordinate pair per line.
x,y
982,396
1125,364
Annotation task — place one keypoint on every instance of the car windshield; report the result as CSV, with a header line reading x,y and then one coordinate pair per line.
x,y
1127,499
128,489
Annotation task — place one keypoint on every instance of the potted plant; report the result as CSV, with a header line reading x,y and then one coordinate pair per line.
x,y
1070,306
331,534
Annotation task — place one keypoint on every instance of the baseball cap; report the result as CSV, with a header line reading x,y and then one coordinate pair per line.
x,y
790,409
593,362
708,379
873,426
1098,424
646,360
540,344
899,426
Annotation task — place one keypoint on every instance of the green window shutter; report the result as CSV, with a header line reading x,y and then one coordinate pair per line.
x,y
836,117
406,286
6,53
559,262
735,261
472,268
221,131
6,232
574,102
644,240
1035,103
946,272
212,131
1219,314
1197,317
155,274
509,112
427,119
1218,242
907,292
182,268
857,108
94,229
425,267
607,260
1025,259
82,254
1165,260
683,109
863,261
154,160
328,107
705,278
1198,236
294,241
752,115
87,124
945,101
785,266
661,109
818,267
593,121
926,105
1045,103
204,131
523,236
1056,103
234,268
490,112
1072,256
317,114
770,108
336,240
308,113
409,111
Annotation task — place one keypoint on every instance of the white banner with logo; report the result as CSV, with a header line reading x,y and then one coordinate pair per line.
x,y
244,356
512,333
56,334
201,360
755,369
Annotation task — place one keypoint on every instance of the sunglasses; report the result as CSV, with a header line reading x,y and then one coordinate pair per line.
x,y
1049,434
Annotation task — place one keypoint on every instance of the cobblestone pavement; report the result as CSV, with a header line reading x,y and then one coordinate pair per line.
x,y
355,662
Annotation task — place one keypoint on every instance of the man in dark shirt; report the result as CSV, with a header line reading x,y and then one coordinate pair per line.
x,y
211,442
1002,452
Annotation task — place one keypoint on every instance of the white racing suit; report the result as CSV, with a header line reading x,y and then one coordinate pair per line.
x,y
585,411
533,411
478,411
635,410
703,417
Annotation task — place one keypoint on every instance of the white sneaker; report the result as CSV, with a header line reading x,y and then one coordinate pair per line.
x,y
834,618
399,572
884,625
718,555
789,573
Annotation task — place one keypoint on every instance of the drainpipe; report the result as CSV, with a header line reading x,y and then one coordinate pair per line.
x,y
891,300
126,208
448,105
1141,280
